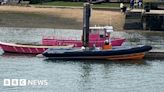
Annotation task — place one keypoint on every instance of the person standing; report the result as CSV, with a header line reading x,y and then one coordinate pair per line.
x,y
136,3
121,6
131,4
124,9
140,3
107,45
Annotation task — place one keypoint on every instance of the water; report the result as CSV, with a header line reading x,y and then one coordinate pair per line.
x,y
79,76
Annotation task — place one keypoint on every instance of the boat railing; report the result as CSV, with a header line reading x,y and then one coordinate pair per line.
x,y
58,37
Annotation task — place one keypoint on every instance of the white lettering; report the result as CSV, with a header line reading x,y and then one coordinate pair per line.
x,y
45,82
40,82
6,82
14,82
22,82
29,82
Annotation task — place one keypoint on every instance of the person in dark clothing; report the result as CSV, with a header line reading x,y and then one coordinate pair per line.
x,y
140,4
124,9
121,6
131,4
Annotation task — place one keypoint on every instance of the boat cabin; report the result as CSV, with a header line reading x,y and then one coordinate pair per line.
x,y
100,33
97,35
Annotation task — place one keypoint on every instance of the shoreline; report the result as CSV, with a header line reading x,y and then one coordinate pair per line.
x,y
57,17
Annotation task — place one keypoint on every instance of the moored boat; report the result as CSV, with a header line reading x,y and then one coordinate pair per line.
x,y
97,36
95,54
27,49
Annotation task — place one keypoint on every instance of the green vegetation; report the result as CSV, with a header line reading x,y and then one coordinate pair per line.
x,y
107,5
79,4
151,0
63,3
35,1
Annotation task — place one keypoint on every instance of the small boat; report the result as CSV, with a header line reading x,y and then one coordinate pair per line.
x,y
27,49
97,36
96,54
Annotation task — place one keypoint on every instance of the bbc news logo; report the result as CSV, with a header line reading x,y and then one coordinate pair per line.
x,y
24,82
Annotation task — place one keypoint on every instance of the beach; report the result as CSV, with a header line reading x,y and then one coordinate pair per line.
x,y
61,18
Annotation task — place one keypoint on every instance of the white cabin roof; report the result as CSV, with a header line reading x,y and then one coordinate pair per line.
x,y
107,28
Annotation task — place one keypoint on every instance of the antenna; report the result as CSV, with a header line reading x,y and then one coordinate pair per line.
x,y
109,19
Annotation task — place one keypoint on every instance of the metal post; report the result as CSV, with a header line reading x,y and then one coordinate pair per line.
x,y
86,20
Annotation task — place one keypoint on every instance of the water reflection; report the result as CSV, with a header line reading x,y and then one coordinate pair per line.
x,y
93,72
86,76
105,62
13,55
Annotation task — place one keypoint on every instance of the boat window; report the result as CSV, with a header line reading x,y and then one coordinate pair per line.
x,y
93,31
101,32
101,36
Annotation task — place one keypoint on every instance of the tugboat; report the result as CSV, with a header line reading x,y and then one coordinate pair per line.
x,y
104,52
97,36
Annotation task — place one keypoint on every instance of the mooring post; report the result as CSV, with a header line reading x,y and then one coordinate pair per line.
x,y
86,23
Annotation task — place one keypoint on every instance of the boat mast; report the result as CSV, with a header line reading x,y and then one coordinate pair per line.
x,y
86,23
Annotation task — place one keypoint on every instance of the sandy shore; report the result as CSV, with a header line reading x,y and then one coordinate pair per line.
x,y
56,17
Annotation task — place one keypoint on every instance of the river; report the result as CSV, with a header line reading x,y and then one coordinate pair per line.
x,y
80,76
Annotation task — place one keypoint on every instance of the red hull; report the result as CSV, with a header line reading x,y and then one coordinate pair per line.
x,y
26,49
